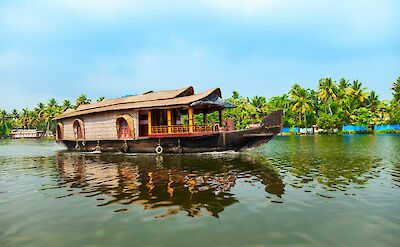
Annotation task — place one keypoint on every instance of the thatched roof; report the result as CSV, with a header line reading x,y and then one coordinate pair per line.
x,y
165,98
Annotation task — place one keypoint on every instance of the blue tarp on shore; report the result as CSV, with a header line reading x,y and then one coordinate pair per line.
x,y
354,128
291,129
387,127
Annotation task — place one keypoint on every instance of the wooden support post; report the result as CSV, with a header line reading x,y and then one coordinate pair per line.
x,y
191,120
205,118
220,118
149,121
169,120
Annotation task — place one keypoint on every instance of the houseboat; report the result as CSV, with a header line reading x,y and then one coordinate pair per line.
x,y
161,121
26,134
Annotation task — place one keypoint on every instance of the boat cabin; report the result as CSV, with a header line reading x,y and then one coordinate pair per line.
x,y
161,114
26,133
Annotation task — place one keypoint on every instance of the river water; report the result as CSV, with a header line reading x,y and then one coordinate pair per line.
x,y
294,191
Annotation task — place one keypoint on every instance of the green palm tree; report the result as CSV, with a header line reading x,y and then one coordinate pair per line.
x,y
66,105
327,92
39,110
260,106
82,100
343,85
358,92
235,95
302,102
100,99
48,116
15,114
396,90
3,117
258,101
373,101
52,103
24,118
383,111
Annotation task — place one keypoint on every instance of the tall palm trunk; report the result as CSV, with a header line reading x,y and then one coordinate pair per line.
x,y
330,109
300,119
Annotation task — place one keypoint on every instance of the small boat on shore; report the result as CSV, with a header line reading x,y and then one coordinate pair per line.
x,y
161,121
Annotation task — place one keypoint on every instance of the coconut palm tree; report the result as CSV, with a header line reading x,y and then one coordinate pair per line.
x,y
260,105
3,116
82,100
348,110
302,102
358,92
100,99
24,118
39,110
343,85
327,91
66,105
396,90
14,114
383,111
235,95
6,124
373,101
315,100
258,101
52,103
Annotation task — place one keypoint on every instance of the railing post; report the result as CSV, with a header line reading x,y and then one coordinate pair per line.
x,y
149,121
169,120
220,117
205,118
191,122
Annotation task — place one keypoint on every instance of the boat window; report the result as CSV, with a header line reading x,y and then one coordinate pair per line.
x,y
78,129
60,131
123,129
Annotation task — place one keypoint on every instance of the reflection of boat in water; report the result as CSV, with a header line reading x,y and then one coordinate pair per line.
x,y
159,122
181,183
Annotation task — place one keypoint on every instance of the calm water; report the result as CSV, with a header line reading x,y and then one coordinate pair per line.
x,y
294,191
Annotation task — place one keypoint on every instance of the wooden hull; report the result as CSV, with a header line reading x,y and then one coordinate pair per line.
x,y
207,142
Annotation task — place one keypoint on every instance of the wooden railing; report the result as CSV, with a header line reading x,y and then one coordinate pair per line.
x,y
163,129
202,128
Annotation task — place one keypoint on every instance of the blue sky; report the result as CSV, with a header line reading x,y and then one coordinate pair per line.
x,y
61,48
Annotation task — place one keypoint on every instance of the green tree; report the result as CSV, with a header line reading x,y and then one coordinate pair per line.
x,y
67,105
396,90
358,92
327,92
82,100
373,101
101,98
328,122
302,102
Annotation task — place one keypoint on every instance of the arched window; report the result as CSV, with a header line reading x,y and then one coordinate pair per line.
x,y
60,131
79,129
125,129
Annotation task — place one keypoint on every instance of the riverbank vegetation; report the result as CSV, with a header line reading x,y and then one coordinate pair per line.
x,y
330,105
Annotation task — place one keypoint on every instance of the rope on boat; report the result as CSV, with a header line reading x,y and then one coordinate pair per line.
x,y
178,149
77,145
97,148
125,147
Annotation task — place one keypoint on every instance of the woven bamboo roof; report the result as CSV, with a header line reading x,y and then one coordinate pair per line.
x,y
165,98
